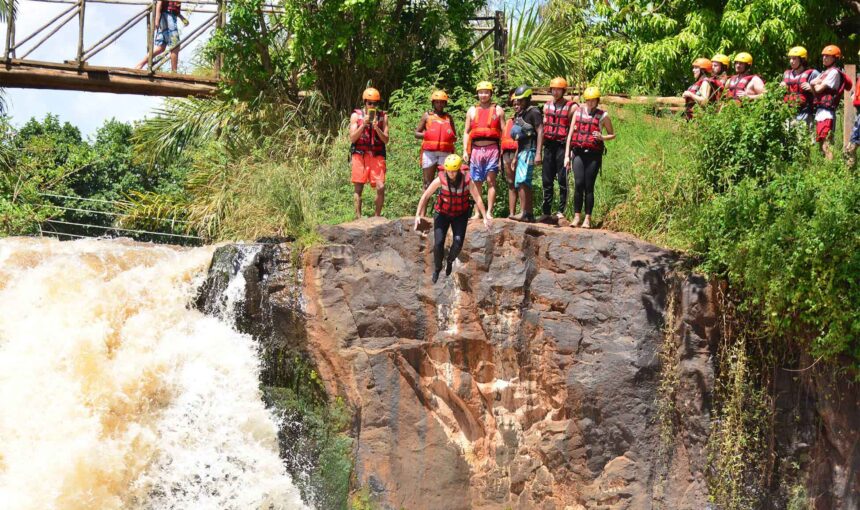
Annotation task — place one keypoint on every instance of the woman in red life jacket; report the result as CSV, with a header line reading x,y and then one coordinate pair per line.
x,y
509,164
557,117
743,84
436,130
700,92
829,87
796,80
483,133
457,191
585,142
368,133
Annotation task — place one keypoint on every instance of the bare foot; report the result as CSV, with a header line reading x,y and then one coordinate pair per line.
x,y
575,221
586,223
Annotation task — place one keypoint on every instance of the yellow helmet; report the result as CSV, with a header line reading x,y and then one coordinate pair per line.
x,y
744,57
798,51
722,59
439,95
591,93
484,85
558,83
452,163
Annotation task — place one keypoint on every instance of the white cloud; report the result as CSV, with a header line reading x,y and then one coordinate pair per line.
x,y
86,110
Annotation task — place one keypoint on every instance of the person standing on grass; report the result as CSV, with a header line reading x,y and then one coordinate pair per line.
x,y
457,193
368,134
828,87
744,84
483,131
436,129
586,144
796,80
557,117
167,14
528,132
701,92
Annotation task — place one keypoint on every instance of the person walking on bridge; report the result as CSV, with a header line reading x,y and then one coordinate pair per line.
x,y
368,134
797,82
167,14
828,87
744,84
586,144
436,129
457,193
483,132
557,117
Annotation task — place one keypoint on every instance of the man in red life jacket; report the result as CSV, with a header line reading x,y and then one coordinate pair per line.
x,y
509,163
719,74
743,84
828,87
457,193
167,14
483,133
854,141
368,134
557,117
436,129
796,80
701,92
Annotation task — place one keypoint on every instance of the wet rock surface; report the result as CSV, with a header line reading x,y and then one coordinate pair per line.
x,y
526,379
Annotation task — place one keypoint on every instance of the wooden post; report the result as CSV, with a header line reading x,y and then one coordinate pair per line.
x,y
150,22
850,111
500,41
81,14
220,19
10,34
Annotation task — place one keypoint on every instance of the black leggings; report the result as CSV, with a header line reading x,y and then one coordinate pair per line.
x,y
553,166
458,225
586,166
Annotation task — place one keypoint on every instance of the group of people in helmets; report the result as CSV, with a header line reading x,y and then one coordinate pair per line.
x,y
563,136
816,95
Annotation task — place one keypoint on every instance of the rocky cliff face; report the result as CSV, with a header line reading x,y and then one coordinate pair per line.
x,y
527,379
554,369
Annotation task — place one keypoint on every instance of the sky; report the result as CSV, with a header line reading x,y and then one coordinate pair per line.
x,y
86,110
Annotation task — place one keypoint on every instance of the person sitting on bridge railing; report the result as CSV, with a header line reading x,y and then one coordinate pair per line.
x,y
167,14
743,84
719,73
702,91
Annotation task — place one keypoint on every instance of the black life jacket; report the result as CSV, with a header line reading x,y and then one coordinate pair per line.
x,y
527,135
453,201
556,121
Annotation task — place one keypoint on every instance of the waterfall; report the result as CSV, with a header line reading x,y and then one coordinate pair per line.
x,y
115,393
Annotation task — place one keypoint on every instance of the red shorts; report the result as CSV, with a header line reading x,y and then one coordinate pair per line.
x,y
368,168
823,130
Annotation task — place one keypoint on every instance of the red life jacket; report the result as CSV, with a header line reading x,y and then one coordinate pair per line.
x,y
368,141
694,88
486,125
453,201
719,85
508,143
795,94
738,83
174,7
830,99
439,133
856,100
556,121
584,127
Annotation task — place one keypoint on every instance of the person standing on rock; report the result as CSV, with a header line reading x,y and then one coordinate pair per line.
x,y
457,193
509,165
368,134
483,131
557,117
436,129
528,132
586,141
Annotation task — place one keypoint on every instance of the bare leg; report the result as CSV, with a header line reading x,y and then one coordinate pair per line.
x,y
491,192
356,198
587,222
850,154
480,185
155,52
380,198
174,60
827,149
429,174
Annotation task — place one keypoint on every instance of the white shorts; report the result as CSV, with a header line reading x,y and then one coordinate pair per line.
x,y
433,158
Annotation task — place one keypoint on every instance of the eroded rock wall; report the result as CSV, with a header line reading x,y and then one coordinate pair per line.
x,y
526,379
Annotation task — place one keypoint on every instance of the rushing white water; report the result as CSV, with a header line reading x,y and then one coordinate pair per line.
x,y
115,394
